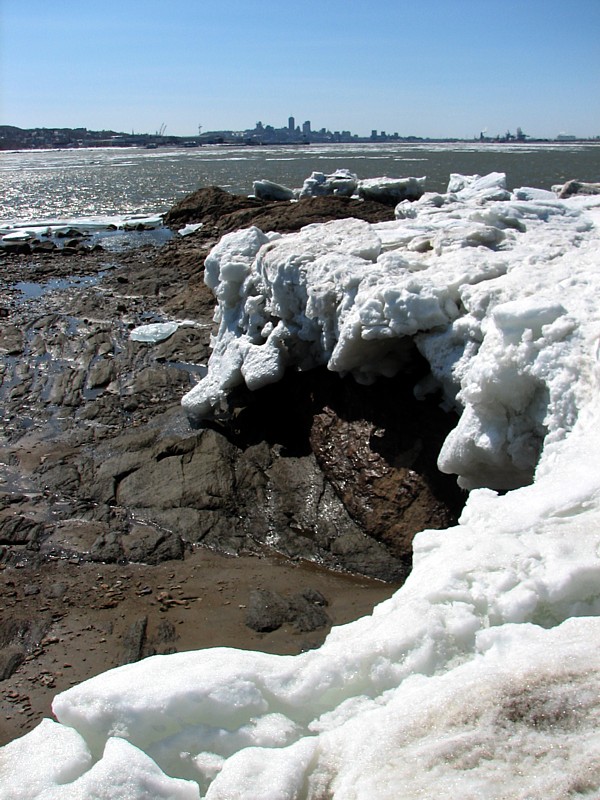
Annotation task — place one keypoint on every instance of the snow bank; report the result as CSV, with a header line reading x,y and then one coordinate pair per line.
x,y
479,678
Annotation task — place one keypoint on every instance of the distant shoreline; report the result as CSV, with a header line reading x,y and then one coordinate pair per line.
x,y
17,139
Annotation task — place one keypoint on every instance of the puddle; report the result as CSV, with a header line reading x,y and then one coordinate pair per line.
x,y
34,291
199,370
119,240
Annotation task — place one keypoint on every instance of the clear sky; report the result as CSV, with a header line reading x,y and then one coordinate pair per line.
x,y
418,67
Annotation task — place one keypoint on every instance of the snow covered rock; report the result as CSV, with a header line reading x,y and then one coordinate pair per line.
x,y
577,187
347,294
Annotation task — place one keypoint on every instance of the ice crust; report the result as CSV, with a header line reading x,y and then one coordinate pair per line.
x,y
479,677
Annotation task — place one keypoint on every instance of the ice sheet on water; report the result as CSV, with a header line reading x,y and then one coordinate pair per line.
x,y
479,678
83,226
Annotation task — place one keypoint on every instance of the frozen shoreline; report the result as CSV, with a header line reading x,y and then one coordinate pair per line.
x,y
480,675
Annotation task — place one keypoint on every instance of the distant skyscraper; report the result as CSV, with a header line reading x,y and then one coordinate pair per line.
x,y
291,124
306,127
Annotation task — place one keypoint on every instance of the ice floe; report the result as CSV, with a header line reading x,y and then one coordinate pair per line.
x,y
479,677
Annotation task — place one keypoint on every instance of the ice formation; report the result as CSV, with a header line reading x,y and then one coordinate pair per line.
x,y
341,182
479,678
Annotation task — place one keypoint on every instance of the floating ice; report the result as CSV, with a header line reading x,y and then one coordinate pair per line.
x,y
267,190
341,182
391,190
76,226
18,236
479,677
154,332
191,227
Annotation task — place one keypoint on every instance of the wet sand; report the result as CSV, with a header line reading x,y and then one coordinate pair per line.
x,y
96,616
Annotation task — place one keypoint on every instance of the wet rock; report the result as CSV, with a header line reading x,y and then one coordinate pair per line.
x,y
344,485
11,340
101,373
44,247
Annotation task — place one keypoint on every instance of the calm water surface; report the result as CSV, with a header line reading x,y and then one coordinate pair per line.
x,y
50,184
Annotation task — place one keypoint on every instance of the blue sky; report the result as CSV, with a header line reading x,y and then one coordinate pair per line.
x,y
418,67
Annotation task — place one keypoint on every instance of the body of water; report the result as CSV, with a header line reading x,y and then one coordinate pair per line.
x,y
51,184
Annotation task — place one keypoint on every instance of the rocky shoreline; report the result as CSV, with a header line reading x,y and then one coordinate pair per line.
x,y
125,531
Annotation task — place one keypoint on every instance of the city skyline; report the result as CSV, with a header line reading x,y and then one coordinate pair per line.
x,y
15,138
435,69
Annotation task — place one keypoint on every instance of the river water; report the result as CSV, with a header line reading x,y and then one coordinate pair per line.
x,y
55,184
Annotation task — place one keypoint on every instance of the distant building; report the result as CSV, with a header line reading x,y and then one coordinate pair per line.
x,y
291,124
306,127
565,137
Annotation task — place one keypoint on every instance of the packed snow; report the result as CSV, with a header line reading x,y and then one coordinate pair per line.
x,y
479,677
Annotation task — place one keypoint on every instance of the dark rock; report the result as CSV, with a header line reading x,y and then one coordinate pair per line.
x,y
56,590
307,616
11,340
44,247
315,597
19,529
211,203
11,659
18,637
70,233
266,611
108,549
17,248
221,212
288,217
101,373
165,632
347,484
134,640
147,545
